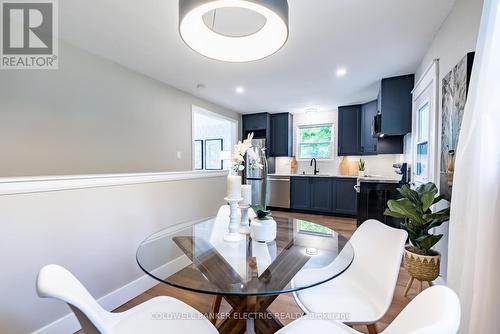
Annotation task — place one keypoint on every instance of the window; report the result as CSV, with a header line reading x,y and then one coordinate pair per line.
x,y
422,142
424,136
315,141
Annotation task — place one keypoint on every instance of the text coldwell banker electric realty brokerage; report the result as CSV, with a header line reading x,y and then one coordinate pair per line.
x,y
29,34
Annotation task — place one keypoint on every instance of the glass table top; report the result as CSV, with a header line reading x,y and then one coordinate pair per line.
x,y
197,258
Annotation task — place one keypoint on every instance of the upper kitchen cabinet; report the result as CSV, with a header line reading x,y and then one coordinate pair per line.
x,y
281,135
277,129
259,124
368,142
394,106
349,127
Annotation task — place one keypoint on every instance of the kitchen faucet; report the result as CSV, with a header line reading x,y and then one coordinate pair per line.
x,y
316,171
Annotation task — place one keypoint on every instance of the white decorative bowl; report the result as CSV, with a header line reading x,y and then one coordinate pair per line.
x,y
263,230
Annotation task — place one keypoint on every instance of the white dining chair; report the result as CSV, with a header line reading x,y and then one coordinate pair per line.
x,y
436,310
224,211
365,290
157,315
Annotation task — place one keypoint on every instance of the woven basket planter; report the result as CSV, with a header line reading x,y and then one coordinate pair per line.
x,y
422,267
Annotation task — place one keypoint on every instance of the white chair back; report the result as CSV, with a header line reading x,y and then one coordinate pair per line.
x,y
54,281
435,310
378,251
224,212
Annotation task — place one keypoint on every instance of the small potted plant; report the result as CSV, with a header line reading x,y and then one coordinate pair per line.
x,y
263,226
421,261
361,167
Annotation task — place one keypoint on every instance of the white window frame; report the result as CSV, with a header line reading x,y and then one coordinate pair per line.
x,y
306,126
426,91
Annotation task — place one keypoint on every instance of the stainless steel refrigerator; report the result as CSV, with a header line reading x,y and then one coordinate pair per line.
x,y
257,177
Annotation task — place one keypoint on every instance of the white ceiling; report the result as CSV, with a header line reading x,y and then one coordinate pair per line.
x,y
371,39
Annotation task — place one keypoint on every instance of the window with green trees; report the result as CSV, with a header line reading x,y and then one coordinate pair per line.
x,y
315,141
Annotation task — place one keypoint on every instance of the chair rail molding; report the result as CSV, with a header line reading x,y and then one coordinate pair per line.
x,y
36,184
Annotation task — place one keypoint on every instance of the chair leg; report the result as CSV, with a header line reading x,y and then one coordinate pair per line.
x,y
372,329
421,286
215,309
408,286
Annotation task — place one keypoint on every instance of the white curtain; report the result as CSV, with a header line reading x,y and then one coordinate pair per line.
x,y
474,242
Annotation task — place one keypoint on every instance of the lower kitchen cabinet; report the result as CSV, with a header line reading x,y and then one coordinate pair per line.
x,y
345,198
324,195
300,193
321,194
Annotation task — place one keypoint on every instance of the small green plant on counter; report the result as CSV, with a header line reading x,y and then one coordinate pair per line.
x,y
361,165
261,212
415,206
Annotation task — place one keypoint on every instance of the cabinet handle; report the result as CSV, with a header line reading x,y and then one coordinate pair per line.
x,y
375,147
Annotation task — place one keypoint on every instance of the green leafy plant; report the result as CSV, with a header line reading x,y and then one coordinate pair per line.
x,y
261,212
361,165
415,206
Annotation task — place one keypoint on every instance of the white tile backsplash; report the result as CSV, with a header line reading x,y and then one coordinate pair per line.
x,y
375,165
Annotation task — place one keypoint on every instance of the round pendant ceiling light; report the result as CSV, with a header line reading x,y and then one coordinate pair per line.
x,y
234,30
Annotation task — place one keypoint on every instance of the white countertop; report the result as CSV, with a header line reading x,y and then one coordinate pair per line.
x,y
369,178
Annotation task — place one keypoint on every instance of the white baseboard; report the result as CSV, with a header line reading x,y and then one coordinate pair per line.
x,y
69,324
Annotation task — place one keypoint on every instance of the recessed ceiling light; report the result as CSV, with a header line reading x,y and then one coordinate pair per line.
x,y
311,109
240,90
204,27
341,72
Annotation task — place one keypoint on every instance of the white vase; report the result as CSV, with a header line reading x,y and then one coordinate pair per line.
x,y
361,173
263,230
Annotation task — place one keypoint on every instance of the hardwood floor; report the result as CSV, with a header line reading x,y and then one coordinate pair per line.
x,y
284,303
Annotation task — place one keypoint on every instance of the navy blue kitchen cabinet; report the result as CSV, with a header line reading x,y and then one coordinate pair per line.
x,y
300,193
368,141
390,145
253,122
281,135
395,105
349,128
345,196
259,124
326,195
321,194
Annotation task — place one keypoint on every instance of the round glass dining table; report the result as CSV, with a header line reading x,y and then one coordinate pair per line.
x,y
249,275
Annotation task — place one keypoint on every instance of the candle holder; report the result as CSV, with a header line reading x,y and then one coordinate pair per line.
x,y
245,222
234,226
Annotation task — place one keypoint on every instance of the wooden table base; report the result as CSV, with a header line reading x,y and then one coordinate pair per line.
x,y
249,312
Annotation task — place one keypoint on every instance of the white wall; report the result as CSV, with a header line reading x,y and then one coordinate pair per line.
x,y
93,232
93,116
375,165
456,37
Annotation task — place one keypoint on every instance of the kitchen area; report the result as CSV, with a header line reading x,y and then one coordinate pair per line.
x,y
346,162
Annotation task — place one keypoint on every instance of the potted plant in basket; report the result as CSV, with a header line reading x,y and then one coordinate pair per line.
x,y
421,261
263,226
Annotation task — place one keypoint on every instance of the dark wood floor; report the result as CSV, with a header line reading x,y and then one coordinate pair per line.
x,y
284,303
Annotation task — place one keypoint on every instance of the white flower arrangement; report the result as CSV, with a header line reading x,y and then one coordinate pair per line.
x,y
238,155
